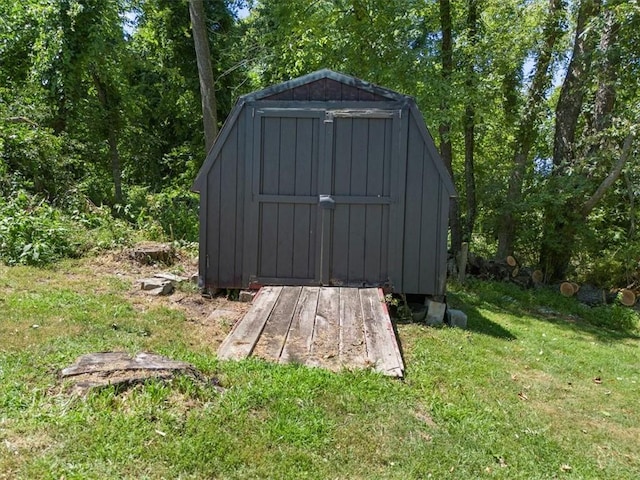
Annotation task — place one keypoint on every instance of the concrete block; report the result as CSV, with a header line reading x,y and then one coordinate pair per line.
x,y
457,318
435,313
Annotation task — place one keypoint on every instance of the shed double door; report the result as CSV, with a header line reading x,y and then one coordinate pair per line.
x,y
321,196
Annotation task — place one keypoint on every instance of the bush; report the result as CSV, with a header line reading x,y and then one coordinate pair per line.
x,y
34,233
174,210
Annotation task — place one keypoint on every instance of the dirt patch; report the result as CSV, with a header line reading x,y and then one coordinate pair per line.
x,y
204,329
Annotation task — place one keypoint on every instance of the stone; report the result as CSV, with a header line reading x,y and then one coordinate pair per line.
x,y
457,318
435,313
170,276
247,296
157,286
166,289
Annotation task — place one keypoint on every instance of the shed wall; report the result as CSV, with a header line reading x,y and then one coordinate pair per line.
x,y
426,219
223,200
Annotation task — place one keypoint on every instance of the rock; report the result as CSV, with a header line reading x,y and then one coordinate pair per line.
x,y
153,283
457,318
247,296
157,286
435,313
166,289
170,276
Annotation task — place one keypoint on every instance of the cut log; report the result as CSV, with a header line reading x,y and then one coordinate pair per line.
x,y
627,297
515,272
537,276
566,289
575,287
511,261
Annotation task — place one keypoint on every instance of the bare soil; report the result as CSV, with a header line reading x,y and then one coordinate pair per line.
x,y
205,328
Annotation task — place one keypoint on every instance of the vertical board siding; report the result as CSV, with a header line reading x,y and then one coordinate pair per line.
x,y
413,206
361,157
228,210
288,168
213,226
268,240
429,226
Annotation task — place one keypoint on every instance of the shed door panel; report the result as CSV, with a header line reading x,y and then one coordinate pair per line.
x,y
286,195
361,153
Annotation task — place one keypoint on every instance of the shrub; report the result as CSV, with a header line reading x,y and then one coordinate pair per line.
x,y
34,233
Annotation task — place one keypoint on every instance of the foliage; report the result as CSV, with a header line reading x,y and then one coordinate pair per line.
x,y
96,94
33,232
173,210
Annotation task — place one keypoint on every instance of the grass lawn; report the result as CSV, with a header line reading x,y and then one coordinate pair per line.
x,y
537,387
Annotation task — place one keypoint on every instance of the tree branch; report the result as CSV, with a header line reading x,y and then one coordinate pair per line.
x,y
611,178
21,120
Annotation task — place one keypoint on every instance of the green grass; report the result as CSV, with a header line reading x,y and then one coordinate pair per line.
x,y
514,396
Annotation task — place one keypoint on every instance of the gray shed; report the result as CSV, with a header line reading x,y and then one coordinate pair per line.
x,y
324,180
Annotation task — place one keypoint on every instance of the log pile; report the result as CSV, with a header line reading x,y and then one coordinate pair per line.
x,y
504,270
510,270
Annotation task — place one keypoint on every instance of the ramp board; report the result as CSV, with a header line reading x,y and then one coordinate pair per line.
x,y
327,327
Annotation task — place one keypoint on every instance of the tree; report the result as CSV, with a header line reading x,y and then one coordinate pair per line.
x,y
205,72
578,160
527,128
444,130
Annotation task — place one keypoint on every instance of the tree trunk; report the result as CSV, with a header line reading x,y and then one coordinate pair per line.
x,y
112,121
563,221
205,72
469,122
116,168
446,150
574,87
527,130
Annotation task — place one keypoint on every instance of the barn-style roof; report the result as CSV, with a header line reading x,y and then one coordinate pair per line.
x,y
322,86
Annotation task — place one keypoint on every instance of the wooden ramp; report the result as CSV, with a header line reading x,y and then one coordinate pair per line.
x,y
329,327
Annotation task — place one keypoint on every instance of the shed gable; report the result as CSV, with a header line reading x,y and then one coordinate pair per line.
x,y
326,89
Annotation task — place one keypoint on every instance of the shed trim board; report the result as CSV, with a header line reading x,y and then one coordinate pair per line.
x,y
331,192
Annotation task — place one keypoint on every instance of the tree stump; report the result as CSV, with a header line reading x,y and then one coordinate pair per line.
x,y
120,369
149,253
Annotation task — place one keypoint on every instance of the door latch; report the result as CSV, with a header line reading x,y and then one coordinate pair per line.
x,y
327,202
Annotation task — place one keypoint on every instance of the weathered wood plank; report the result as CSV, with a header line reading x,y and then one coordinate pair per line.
x,y
325,346
298,343
242,339
382,348
274,334
352,344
